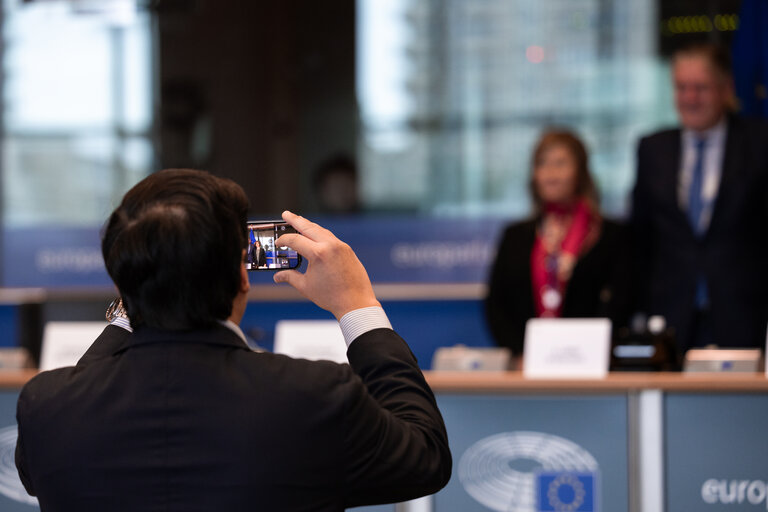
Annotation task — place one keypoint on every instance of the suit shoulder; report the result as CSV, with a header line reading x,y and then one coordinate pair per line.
x,y
519,229
750,126
660,137
756,123
46,384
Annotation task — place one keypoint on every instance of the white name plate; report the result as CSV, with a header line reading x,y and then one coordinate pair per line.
x,y
64,343
311,339
567,348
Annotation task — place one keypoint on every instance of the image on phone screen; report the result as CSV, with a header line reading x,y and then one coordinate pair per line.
x,y
262,253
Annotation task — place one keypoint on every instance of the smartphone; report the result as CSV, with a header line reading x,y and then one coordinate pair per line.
x,y
262,253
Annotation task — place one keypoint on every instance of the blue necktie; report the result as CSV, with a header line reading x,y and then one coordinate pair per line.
x,y
695,208
695,202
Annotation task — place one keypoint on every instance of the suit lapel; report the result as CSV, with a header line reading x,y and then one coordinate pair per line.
x,y
669,162
111,340
732,159
671,171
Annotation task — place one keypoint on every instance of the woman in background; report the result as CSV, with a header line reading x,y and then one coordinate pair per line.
x,y
257,257
566,261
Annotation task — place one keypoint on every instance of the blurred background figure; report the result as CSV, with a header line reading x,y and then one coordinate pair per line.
x,y
335,185
699,211
567,260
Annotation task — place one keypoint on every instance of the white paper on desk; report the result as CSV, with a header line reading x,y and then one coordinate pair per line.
x,y
311,339
567,347
64,343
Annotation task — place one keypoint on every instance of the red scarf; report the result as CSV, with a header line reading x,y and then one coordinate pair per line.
x,y
561,237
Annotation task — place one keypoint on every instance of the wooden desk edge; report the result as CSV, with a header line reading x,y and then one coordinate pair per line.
x,y
15,379
514,382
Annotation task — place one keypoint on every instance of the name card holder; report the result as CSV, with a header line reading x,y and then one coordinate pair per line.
x,y
64,343
311,339
567,348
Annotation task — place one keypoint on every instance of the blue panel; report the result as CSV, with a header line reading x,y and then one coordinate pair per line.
x,y
566,490
9,328
420,249
501,443
393,249
50,257
425,325
716,455
428,325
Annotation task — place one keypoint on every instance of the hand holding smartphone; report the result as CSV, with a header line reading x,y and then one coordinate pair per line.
x,y
262,254
334,279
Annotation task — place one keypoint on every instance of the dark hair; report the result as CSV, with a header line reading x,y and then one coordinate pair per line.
x,y
585,186
174,248
716,55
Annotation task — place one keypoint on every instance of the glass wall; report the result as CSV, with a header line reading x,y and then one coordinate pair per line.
x,y
77,113
454,93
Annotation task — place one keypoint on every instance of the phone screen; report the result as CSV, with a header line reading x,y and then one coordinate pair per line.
x,y
262,253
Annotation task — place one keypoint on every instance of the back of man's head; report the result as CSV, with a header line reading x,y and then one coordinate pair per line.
x,y
174,248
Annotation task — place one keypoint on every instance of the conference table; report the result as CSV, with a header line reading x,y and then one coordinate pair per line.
x,y
637,442
644,442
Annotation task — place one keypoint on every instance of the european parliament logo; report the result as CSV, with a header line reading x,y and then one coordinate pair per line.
x,y
527,471
566,492
10,484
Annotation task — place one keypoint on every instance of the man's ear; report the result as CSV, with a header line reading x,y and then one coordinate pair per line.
x,y
245,284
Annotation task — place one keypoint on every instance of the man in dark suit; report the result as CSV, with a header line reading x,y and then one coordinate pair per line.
x,y
181,416
700,212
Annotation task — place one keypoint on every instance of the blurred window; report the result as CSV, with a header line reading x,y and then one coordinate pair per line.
x,y
77,109
454,93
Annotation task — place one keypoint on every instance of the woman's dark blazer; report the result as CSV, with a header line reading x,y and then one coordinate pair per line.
x,y
599,286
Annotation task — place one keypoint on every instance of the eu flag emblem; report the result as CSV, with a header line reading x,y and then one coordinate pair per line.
x,y
565,491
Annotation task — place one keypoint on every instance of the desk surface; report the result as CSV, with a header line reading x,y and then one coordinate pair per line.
x,y
514,382
15,379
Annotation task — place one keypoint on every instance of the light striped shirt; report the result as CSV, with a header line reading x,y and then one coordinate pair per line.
x,y
360,321
712,168
353,325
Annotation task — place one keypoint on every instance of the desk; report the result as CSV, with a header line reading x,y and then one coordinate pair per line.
x,y
660,441
622,382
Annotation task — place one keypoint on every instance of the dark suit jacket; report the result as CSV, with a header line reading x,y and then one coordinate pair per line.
x,y
733,254
195,421
599,286
257,258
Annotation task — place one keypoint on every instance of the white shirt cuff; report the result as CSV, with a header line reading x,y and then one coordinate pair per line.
x,y
360,321
121,322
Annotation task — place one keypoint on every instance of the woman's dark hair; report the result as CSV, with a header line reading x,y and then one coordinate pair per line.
x,y
585,186
174,248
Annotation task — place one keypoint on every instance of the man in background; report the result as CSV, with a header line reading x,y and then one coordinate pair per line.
x,y
180,415
700,211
